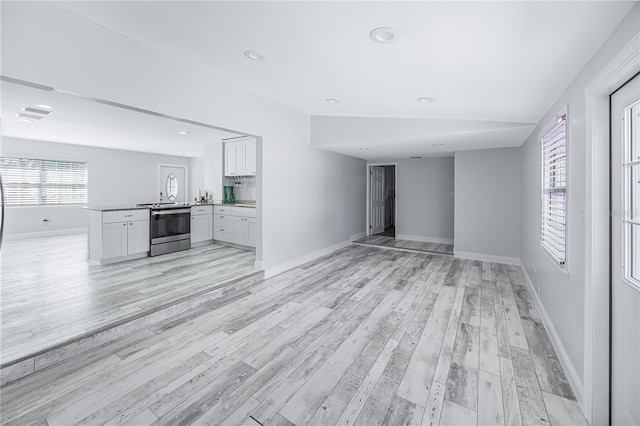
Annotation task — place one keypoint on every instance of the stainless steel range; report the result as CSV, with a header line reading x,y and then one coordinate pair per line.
x,y
170,227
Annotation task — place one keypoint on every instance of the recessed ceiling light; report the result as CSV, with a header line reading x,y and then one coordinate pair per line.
x,y
426,100
184,132
252,54
179,152
332,101
29,116
8,132
44,106
384,35
364,149
36,111
436,144
26,120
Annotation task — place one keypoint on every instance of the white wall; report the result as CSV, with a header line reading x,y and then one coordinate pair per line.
x,y
562,293
423,195
196,177
487,203
213,171
308,199
114,177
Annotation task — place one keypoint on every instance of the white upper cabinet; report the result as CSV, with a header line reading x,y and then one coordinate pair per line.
x,y
240,157
231,159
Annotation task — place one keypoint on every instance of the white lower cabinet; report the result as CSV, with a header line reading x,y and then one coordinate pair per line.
x,y
201,224
235,225
118,235
244,231
251,232
137,236
114,240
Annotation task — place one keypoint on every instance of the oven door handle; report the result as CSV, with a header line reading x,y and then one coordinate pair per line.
x,y
165,212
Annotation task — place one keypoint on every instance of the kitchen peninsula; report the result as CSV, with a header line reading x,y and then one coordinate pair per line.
x,y
121,233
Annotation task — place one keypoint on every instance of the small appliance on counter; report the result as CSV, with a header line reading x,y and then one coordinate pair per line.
x,y
229,196
204,196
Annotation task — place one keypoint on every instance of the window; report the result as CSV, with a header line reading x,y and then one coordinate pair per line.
x,y
43,182
554,191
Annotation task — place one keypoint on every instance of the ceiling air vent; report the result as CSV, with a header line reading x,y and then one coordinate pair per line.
x,y
416,156
36,111
30,116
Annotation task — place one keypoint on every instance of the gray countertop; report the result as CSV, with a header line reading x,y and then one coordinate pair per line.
x,y
134,207
116,208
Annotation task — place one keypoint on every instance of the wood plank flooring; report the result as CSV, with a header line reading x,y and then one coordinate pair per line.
x,y
362,336
51,294
380,240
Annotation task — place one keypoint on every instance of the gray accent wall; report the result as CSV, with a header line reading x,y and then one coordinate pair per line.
x,y
424,198
425,203
487,202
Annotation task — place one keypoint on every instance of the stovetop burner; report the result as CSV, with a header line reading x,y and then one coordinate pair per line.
x,y
163,206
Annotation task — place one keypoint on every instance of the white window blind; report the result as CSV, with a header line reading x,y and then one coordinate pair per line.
x,y
43,182
554,191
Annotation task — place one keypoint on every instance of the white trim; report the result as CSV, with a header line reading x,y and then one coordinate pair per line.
x,y
563,357
257,265
368,198
278,269
486,257
422,239
358,236
596,314
43,234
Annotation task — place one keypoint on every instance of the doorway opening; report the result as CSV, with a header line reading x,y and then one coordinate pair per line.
x,y
381,199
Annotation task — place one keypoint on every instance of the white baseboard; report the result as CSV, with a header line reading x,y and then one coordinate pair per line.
x,y
358,236
422,239
257,265
278,269
486,257
41,234
563,357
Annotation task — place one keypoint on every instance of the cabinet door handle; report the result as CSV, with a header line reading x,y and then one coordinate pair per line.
x,y
124,224
131,223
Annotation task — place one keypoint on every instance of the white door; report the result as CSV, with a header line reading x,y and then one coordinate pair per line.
x,y
625,302
377,200
172,184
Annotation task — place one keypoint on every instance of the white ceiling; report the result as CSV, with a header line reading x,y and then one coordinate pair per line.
x,y
84,122
500,62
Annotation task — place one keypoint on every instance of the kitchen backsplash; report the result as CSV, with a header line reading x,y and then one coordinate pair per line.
x,y
245,187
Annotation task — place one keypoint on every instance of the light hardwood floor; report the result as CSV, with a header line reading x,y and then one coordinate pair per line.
x,y
362,336
50,293
389,242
